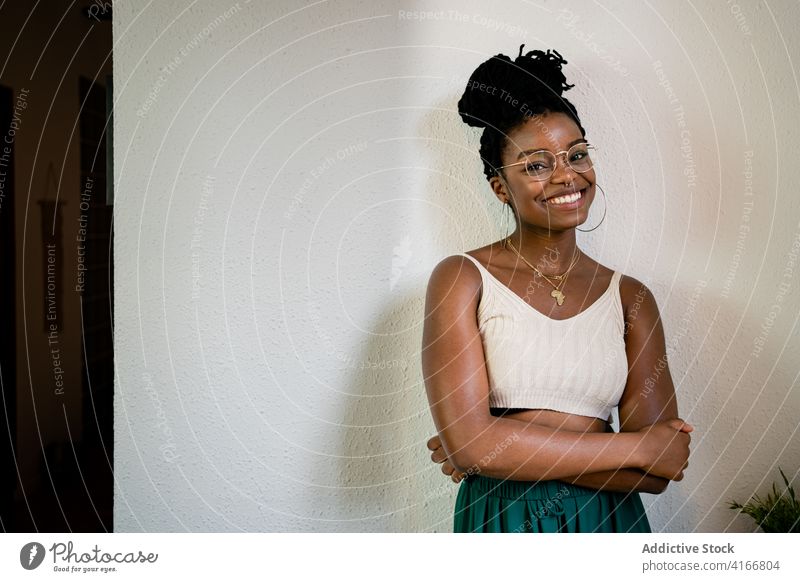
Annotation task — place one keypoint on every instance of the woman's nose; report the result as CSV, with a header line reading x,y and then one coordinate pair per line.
x,y
563,171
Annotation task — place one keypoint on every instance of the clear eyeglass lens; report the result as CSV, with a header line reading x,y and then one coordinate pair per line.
x,y
541,165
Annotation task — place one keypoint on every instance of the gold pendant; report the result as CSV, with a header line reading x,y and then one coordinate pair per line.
x,y
558,295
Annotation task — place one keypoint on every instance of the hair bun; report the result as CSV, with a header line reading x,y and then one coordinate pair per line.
x,y
501,90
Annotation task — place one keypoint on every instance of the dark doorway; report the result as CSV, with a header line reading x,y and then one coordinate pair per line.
x,y
8,352
56,276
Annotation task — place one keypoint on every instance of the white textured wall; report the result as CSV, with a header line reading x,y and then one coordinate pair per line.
x,y
288,176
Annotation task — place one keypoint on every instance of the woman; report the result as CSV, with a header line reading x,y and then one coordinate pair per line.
x,y
529,343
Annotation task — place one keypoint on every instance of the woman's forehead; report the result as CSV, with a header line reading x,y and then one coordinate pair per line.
x,y
553,132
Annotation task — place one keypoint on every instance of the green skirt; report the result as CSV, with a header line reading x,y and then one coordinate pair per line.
x,y
489,505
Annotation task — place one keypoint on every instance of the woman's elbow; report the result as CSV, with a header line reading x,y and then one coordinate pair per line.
x,y
467,455
657,485
464,458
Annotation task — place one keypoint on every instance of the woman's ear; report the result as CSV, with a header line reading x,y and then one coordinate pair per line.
x,y
500,189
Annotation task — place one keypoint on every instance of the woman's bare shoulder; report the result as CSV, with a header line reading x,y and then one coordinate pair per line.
x,y
636,296
454,274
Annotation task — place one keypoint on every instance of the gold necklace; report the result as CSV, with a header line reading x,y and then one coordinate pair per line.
x,y
556,293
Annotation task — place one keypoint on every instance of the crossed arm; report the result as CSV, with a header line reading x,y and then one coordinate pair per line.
x,y
649,394
624,480
648,397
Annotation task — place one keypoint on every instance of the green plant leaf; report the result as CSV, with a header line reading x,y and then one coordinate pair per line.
x,y
778,512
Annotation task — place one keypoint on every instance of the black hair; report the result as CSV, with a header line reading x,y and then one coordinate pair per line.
x,y
502,94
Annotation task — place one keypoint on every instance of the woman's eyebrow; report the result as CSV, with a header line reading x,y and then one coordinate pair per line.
x,y
569,145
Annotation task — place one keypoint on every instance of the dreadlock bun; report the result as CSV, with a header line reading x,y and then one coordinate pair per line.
x,y
499,87
502,93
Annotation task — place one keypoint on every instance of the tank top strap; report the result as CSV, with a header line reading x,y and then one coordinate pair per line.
x,y
486,282
616,298
471,258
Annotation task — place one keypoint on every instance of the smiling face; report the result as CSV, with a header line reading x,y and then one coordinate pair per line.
x,y
540,204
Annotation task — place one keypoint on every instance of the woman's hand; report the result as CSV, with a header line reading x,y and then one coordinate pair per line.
x,y
440,456
664,448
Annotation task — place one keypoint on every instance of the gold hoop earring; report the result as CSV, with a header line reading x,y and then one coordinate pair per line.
x,y
605,208
507,213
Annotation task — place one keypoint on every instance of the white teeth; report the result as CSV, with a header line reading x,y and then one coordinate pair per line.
x,y
565,199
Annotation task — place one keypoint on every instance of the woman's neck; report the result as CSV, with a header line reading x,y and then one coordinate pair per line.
x,y
550,253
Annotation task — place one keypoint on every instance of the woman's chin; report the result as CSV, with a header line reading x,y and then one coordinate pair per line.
x,y
566,221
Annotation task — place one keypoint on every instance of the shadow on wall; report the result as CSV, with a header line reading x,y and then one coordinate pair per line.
x,y
386,471
383,467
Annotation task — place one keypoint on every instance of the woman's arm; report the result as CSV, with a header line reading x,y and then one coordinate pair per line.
x,y
649,394
622,480
456,383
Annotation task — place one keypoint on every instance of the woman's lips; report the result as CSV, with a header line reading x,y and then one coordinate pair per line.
x,y
568,205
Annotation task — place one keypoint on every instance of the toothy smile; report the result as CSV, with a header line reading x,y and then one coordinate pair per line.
x,y
568,198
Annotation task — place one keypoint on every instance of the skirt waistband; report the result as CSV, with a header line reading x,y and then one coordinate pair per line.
x,y
532,490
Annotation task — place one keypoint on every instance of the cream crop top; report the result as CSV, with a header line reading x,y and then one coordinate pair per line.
x,y
576,365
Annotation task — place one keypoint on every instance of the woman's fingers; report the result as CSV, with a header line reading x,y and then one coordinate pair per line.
x,y
434,442
455,475
438,456
681,425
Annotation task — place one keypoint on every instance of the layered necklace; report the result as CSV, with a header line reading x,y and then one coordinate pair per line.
x,y
556,293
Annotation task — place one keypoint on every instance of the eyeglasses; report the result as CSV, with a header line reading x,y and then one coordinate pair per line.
x,y
541,164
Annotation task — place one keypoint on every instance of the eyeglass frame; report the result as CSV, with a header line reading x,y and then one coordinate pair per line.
x,y
556,154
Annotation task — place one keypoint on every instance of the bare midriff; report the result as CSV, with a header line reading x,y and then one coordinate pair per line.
x,y
554,419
